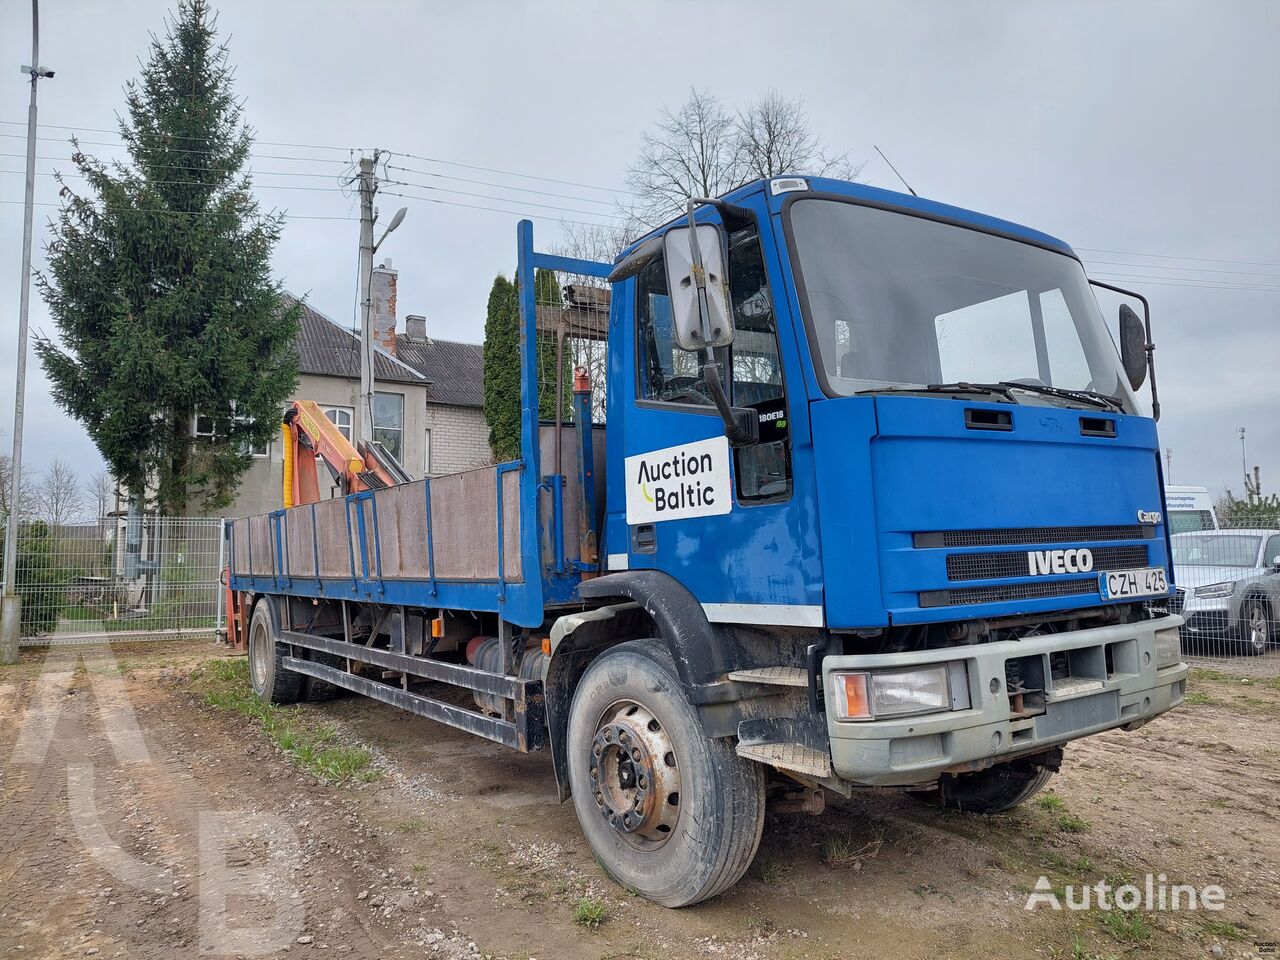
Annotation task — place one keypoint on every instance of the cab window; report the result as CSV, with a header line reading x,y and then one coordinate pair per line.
x,y
764,469
666,373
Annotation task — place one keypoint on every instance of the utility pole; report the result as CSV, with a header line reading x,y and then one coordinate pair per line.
x,y
363,425
362,429
1168,465
10,603
1244,462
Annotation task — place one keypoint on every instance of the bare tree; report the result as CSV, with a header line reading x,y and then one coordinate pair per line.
x,y
690,153
703,150
101,493
59,498
774,138
26,494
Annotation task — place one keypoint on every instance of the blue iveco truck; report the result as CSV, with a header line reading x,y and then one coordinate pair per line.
x,y
821,487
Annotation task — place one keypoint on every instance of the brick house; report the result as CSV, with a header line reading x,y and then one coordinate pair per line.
x,y
428,405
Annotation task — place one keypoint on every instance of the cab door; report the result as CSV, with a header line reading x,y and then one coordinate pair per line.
x,y
725,523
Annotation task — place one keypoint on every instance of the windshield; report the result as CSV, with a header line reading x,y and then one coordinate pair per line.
x,y
899,301
1215,550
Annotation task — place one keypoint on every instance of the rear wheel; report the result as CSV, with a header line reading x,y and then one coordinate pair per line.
x,y
1257,626
668,813
271,681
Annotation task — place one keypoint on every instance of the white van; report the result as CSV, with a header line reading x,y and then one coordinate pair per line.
x,y
1190,508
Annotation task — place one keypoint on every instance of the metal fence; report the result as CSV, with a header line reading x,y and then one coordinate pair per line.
x,y
1228,590
119,578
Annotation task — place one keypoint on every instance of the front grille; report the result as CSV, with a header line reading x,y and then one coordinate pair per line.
x,y
997,566
1016,535
1008,591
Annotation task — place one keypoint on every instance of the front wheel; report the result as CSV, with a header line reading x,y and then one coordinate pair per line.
x,y
1257,627
668,813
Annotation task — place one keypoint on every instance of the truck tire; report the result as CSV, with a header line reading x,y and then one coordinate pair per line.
x,y
994,790
668,813
271,681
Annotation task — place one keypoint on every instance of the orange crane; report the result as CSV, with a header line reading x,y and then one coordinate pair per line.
x,y
310,436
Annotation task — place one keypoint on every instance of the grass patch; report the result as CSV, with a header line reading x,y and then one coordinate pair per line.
x,y
840,851
1125,926
1070,823
1221,929
589,913
1197,698
774,872
1050,801
225,684
412,825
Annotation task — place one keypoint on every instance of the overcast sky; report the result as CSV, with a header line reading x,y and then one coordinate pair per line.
x,y
1136,128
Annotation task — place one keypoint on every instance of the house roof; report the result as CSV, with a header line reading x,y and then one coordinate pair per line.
x,y
455,371
327,349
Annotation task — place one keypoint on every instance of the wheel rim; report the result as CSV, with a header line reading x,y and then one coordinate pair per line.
x,y
635,776
259,655
1257,627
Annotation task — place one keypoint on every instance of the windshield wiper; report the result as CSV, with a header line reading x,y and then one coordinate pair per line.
x,y
999,389
1082,396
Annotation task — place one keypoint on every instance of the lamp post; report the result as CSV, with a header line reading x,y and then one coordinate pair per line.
x,y
10,603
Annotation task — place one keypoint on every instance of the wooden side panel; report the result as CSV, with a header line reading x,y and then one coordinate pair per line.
x,y
299,534
262,545
331,537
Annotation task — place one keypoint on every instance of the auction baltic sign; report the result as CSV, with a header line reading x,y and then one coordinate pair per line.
x,y
675,483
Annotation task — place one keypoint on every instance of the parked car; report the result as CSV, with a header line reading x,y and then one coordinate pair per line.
x,y
1228,585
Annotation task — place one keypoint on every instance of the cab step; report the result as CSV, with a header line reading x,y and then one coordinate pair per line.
x,y
778,676
788,756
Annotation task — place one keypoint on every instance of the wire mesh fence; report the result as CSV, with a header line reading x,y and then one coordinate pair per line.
x,y
116,578
1227,577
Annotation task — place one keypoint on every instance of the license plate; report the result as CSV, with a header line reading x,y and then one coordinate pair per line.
x,y
1127,584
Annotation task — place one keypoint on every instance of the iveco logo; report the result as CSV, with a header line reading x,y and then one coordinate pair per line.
x,y
1149,516
1041,563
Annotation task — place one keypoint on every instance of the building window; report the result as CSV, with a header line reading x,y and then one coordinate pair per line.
x,y
340,417
205,427
388,422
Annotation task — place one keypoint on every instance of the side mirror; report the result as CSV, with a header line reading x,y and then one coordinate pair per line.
x,y
1275,562
1133,346
687,255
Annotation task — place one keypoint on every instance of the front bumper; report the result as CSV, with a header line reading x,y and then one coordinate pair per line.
x,y
1121,686
1217,617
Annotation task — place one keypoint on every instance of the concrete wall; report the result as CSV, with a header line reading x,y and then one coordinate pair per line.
x,y
459,439
261,488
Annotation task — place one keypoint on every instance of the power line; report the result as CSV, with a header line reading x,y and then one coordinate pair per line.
x,y
116,133
472,206
500,186
1170,256
1160,266
510,173
188,213
190,183
485,196
1203,283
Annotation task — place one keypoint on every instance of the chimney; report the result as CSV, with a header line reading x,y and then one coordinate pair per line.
x,y
415,328
382,293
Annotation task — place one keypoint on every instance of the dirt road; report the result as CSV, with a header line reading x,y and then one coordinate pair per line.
x,y
141,821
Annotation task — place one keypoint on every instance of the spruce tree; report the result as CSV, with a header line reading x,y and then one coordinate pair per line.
x,y
159,283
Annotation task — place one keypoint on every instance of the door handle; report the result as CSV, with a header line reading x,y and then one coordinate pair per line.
x,y
644,538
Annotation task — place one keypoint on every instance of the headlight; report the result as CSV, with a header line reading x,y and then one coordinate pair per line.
x,y
863,695
1168,648
1212,590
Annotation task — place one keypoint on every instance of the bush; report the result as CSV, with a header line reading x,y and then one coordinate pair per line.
x,y
39,580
